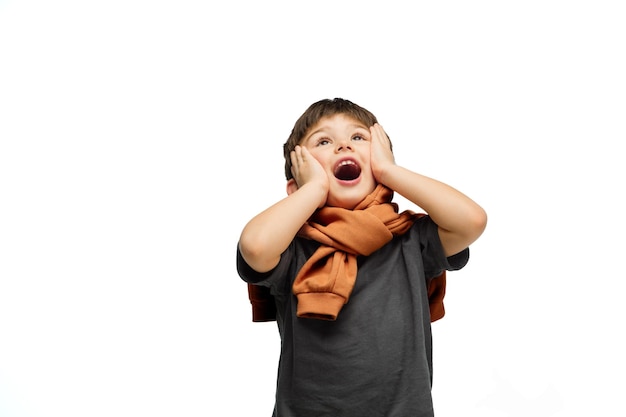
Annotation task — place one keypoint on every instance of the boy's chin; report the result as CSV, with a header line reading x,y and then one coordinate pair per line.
x,y
348,199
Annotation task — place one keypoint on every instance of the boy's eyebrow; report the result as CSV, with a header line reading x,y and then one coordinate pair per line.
x,y
309,136
321,129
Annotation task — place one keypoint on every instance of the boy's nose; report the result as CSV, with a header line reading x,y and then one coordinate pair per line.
x,y
343,145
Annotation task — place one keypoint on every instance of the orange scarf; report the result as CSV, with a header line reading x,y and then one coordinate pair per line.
x,y
324,283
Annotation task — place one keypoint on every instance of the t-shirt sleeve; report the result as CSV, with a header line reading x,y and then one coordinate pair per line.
x,y
435,260
251,276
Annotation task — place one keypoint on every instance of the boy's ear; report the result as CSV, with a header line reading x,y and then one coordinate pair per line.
x,y
292,186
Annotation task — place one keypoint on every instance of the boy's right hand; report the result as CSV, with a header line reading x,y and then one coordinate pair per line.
x,y
307,170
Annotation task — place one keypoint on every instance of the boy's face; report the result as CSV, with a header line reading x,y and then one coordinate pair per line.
x,y
341,144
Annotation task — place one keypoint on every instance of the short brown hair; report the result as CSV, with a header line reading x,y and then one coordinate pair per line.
x,y
316,112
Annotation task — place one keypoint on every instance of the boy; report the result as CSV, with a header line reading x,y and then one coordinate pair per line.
x,y
351,277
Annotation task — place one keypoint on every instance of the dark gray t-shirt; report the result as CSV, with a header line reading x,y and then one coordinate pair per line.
x,y
376,358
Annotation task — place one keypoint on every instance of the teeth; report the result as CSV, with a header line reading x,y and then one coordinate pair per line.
x,y
347,163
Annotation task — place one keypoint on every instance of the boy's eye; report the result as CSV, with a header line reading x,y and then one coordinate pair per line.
x,y
323,142
358,137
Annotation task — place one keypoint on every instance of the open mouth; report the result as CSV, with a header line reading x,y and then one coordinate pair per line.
x,y
347,170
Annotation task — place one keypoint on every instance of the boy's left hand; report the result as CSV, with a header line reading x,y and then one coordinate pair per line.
x,y
381,157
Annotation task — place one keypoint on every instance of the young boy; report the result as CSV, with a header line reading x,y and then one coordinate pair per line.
x,y
355,284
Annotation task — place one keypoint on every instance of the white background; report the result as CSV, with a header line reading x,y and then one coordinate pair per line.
x,y
138,137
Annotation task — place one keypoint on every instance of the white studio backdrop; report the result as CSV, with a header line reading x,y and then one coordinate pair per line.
x,y
137,138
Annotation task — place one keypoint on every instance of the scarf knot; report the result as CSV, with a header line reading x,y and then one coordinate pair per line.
x,y
324,283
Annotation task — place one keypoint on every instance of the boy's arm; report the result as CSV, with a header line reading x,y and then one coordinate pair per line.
x,y
268,234
461,221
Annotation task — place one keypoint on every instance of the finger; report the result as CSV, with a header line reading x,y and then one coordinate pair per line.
x,y
382,135
295,160
376,130
302,153
305,153
295,167
381,132
298,154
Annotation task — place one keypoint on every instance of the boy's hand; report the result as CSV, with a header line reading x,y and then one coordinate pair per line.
x,y
307,170
381,157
